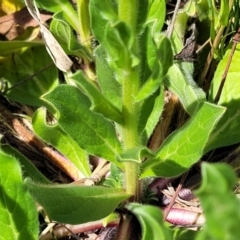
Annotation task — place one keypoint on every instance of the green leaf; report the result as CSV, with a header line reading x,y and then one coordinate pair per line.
x,y
185,146
184,234
107,10
118,43
9,47
135,154
227,130
100,103
54,135
224,12
17,69
28,169
114,35
74,204
98,20
115,179
151,111
65,36
156,15
163,62
220,205
18,213
105,76
91,131
61,6
151,220
183,85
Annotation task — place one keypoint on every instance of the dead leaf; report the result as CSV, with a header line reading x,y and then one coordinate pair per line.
x,y
13,25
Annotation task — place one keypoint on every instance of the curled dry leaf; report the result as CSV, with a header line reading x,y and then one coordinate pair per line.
x,y
59,57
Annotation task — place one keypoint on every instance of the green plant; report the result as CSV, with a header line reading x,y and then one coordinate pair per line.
x,y
112,110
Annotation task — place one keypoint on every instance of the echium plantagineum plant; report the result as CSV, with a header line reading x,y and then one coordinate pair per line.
x,y
111,113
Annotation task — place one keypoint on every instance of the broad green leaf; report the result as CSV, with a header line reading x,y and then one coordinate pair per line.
x,y
54,135
28,169
17,69
74,204
90,130
221,207
151,111
100,103
105,76
65,36
183,85
185,146
10,47
151,219
18,213
227,130
61,6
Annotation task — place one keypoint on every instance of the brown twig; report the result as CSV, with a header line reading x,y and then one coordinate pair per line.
x,y
66,230
161,129
170,28
168,209
236,39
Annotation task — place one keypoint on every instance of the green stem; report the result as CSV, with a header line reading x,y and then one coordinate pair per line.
x,y
127,12
130,130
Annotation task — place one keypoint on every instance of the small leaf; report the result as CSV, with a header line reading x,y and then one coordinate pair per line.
x,y
18,213
151,220
90,130
163,62
220,205
224,12
135,154
116,178
97,20
65,36
185,146
149,117
61,6
54,135
118,44
100,104
73,204
105,76
156,15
